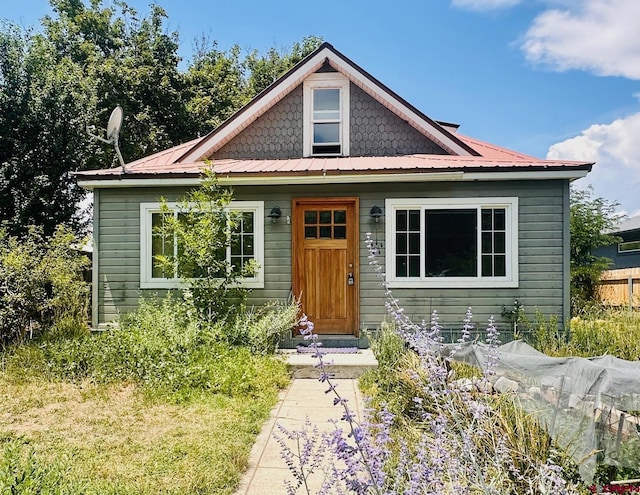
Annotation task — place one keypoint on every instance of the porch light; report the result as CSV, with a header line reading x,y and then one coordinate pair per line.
x,y
376,213
275,214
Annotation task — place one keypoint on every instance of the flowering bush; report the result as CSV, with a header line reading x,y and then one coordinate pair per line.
x,y
448,438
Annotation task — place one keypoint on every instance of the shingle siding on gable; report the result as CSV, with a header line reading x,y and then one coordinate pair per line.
x,y
276,134
376,131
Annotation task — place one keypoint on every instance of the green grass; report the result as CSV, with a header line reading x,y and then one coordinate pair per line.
x,y
604,331
614,332
158,406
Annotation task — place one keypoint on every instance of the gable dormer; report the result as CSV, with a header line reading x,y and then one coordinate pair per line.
x,y
326,106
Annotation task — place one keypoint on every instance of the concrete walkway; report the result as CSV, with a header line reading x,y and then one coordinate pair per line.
x,y
305,398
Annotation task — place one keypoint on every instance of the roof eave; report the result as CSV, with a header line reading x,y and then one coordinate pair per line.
x,y
333,177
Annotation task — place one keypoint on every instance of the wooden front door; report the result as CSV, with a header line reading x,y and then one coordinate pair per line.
x,y
325,262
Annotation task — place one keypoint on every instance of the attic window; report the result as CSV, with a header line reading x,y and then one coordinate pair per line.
x,y
326,115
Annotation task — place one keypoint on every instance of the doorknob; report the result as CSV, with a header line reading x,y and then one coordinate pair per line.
x,y
350,280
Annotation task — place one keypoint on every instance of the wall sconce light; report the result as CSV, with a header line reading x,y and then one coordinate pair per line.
x,y
275,214
376,213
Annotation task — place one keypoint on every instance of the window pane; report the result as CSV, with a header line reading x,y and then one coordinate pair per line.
x,y
487,242
451,243
486,220
401,266
401,243
247,246
414,243
340,216
310,216
326,99
236,264
340,232
160,245
401,220
326,133
414,266
487,265
326,149
628,246
247,222
310,232
500,265
236,247
499,219
325,232
325,217
499,238
414,220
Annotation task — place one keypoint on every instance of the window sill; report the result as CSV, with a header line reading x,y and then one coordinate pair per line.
x,y
450,283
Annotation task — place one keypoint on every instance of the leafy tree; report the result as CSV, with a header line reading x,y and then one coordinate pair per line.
x,y
44,102
266,69
216,86
591,221
203,228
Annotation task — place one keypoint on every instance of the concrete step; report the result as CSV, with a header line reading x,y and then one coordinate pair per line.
x,y
348,366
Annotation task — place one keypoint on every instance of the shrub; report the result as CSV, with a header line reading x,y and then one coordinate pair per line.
x,y
261,329
160,347
41,286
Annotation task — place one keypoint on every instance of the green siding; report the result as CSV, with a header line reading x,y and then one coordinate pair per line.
x,y
543,248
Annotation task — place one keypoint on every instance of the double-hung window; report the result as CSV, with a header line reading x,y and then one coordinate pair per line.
x,y
326,115
247,243
464,242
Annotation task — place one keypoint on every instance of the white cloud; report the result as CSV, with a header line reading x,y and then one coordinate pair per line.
x,y
616,175
484,4
600,36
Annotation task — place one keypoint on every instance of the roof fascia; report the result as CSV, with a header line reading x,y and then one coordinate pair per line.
x,y
337,179
280,88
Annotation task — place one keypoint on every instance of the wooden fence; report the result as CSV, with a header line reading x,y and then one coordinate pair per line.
x,y
620,287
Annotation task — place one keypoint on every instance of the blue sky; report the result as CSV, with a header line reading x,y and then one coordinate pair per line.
x,y
551,78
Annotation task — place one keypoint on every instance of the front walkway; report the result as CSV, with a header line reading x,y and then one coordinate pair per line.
x,y
305,398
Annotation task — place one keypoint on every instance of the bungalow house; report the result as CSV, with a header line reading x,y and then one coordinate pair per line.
x,y
324,155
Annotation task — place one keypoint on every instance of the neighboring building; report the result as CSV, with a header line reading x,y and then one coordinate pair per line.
x,y
626,253
620,284
459,222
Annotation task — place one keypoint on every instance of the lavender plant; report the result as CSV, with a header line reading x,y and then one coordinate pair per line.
x,y
447,439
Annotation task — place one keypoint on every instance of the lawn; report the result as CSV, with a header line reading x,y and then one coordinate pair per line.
x,y
159,405
88,438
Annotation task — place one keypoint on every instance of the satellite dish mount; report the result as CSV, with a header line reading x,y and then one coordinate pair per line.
x,y
113,131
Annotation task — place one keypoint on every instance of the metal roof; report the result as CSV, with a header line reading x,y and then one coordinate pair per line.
x,y
628,225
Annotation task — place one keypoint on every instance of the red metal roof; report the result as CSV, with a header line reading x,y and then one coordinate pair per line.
x,y
494,158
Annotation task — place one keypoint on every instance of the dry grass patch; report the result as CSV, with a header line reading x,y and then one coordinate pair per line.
x,y
112,438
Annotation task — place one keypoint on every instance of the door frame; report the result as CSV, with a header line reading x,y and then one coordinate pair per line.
x,y
353,246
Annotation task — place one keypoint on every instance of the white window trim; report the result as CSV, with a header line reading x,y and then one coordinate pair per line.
x,y
325,80
511,209
146,279
624,251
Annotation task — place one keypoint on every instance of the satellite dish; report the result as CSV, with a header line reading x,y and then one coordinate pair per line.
x,y
115,123
113,131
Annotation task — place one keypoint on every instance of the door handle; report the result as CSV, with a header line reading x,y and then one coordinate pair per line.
x,y
350,279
